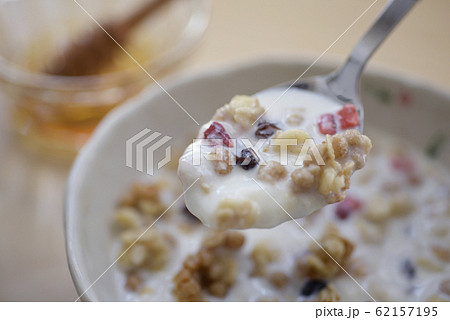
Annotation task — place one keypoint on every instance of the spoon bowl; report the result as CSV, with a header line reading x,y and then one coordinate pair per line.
x,y
343,85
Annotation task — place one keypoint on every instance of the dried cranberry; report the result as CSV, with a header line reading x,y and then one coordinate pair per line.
x,y
348,116
402,163
217,131
327,125
266,129
313,286
248,159
346,207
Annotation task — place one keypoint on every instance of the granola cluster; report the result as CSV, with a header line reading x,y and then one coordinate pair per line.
x,y
326,262
222,160
212,269
285,140
262,255
141,249
244,110
272,172
343,154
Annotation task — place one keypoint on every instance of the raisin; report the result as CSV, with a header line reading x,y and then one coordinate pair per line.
x,y
312,287
347,207
348,116
217,131
408,269
266,129
248,159
327,125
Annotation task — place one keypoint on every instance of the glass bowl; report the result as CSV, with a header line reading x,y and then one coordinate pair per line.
x,y
57,114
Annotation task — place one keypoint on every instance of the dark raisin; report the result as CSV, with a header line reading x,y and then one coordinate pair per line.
x,y
188,214
408,269
313,286
248,159
217,131
266,129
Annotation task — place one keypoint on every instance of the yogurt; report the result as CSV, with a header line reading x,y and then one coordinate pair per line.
x,y
259,163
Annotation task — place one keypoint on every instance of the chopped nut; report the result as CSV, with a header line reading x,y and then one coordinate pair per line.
x,y
428,264
133,281
262,255
244,110
234,240
287,138
150,251
236,214
334,176
441,253
128,217
148,192
222,160
329,294
378,208
323,263
150,208
401,204
213,268
340,146
278,279
272,172
304,178
381,207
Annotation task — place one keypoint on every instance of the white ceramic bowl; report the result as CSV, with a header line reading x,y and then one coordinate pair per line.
x,y
99,176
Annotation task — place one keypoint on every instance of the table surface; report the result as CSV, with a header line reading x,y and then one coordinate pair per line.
x,y
33,264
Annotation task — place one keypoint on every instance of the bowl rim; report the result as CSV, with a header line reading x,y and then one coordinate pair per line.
x,y
189,38
124,111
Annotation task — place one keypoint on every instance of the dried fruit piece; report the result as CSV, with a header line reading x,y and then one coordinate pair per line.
x,y
348,116
217,131
326,123
408,269
312,287
266,129
345,208
248,159
402,163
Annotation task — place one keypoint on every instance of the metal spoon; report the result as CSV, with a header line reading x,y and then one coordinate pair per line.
x,y
342,85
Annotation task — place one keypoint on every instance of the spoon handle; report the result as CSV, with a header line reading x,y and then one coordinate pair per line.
x,y
350,72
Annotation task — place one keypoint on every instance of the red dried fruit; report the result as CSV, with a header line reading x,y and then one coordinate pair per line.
x,y
345,208
217,131
348,116
327,125
402,163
